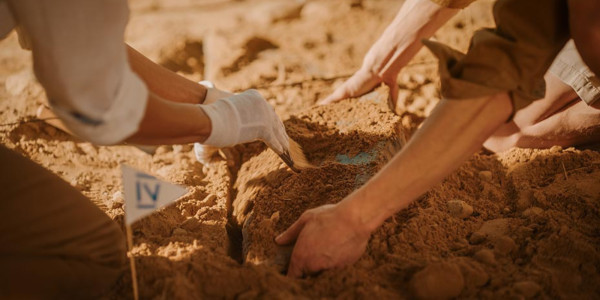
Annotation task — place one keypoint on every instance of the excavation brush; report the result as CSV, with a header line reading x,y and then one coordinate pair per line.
x,y
295,158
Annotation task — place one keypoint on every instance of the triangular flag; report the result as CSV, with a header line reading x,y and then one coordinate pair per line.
x,y
145,193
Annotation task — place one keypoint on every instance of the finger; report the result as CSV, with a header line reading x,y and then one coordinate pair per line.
x,y
393,96
291,234
337,95
294,269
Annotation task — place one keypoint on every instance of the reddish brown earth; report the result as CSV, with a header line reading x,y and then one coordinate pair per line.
x,y
520,224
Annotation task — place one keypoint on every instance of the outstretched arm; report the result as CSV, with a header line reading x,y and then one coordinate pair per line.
x,y
336,235
399,43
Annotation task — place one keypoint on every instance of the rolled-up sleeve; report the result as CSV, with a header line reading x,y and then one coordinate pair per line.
x,y
80,59
512,58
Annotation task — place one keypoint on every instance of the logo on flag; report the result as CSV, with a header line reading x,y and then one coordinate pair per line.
x,y
145,193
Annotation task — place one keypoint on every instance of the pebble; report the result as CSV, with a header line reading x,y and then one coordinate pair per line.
x,y
477,238
528,289
459,209
485,256
438,281
504,245
525,200
533,211
486,175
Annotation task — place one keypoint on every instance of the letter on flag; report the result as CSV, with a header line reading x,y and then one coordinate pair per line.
x,y
145,193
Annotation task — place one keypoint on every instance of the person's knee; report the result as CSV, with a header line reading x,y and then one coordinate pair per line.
x,y
113,252
585,31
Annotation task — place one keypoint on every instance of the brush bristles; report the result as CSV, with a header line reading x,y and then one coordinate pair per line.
x,y
298,157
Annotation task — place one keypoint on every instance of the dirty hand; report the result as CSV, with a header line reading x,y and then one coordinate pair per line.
x,y
205,154
326,237
242,118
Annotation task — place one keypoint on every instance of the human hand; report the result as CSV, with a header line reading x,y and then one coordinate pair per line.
x,y
206,154
326,237
359,84
245,117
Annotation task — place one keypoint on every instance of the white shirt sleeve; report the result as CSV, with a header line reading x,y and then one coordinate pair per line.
x,y
80,59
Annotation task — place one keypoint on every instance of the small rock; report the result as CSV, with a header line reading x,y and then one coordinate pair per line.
x,y
504,245
528,289
495,227
459,244
459,209
533,211
473,273
438,281
525,200
486,175
275,217
179,231
477,238
485,256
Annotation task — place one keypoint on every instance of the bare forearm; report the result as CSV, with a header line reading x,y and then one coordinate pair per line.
x,y
168,122
172,115
416,20
453,132
163,82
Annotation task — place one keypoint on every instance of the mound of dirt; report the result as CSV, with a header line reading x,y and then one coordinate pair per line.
x,y
347,142
520,224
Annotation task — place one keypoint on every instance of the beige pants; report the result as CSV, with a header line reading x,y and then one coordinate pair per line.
x,y
54,243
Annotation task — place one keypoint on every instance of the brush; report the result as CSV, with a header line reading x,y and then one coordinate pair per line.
x,y
295,158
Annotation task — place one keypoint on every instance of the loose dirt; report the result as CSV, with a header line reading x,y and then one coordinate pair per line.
x,y
520,224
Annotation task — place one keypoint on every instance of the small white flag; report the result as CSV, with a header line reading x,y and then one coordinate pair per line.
x,y
145,193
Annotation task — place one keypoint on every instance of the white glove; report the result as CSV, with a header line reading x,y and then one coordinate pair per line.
x,y
206,154
213,94
243,118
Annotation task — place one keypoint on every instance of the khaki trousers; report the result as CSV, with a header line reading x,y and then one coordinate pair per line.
x,y
54,242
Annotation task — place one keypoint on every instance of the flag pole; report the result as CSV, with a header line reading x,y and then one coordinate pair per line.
x,y
132,262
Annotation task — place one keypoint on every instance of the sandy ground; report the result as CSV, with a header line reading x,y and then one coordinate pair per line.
x,y
520,224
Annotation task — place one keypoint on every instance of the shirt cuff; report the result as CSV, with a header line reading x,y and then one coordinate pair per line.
x,y
119,122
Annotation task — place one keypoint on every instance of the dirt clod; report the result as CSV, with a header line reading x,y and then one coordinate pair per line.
x,y
438,281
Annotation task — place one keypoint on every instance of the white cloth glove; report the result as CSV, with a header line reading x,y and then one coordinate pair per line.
x,y
206,154
243,118
213,94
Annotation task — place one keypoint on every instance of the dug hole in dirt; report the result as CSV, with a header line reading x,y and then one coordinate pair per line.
x,y
501,226
523,224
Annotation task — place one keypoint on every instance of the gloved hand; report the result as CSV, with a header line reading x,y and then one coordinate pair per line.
x,y
206,154
243,118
